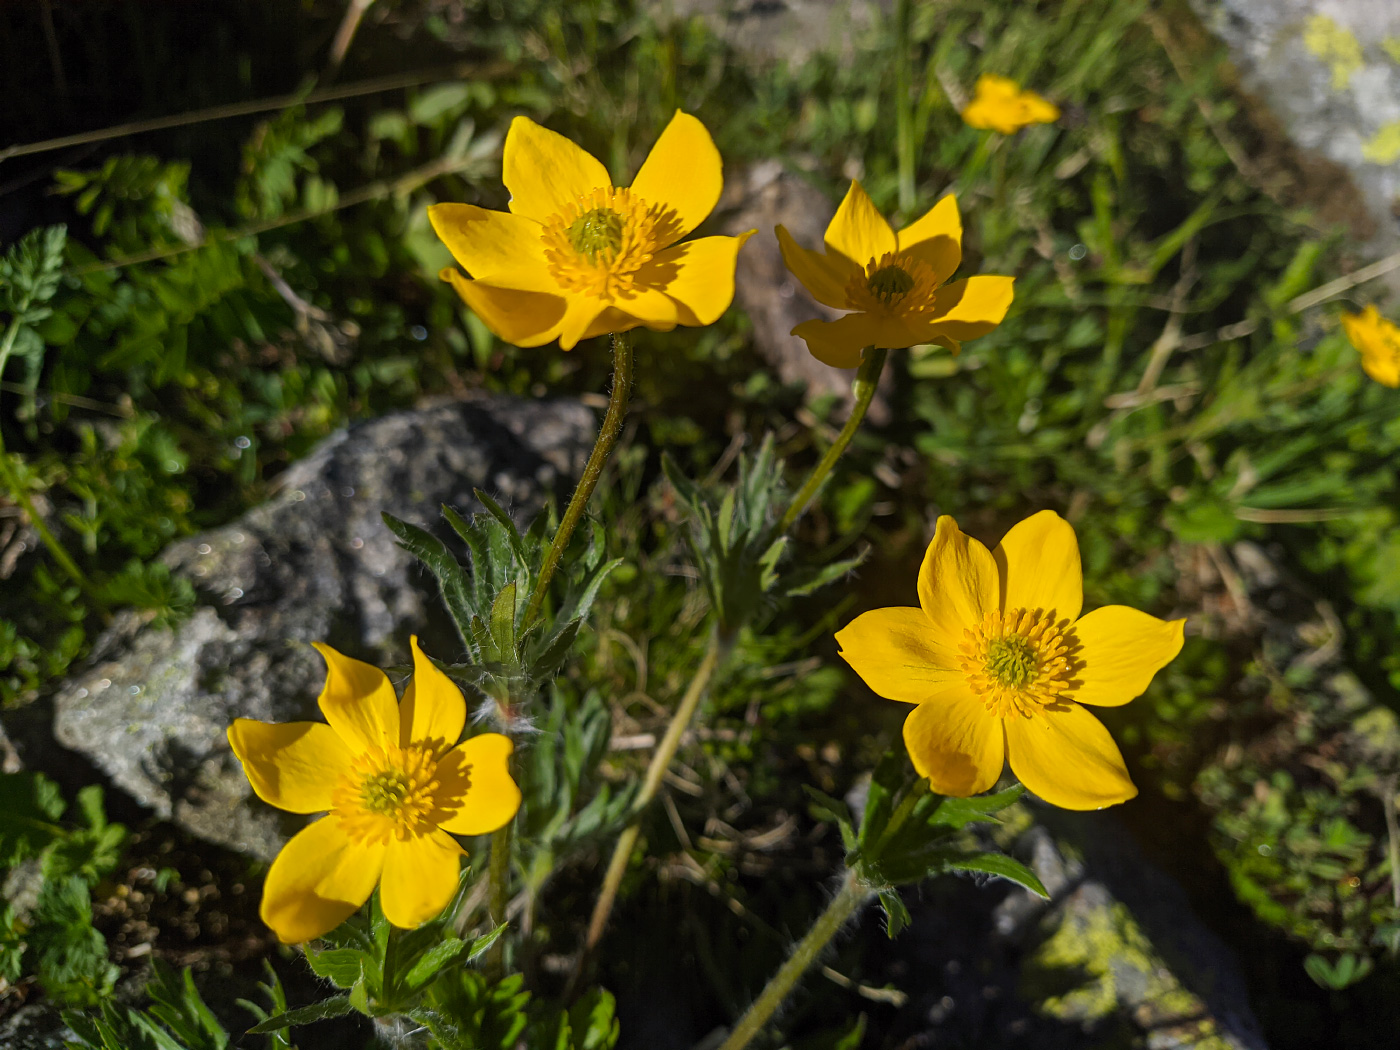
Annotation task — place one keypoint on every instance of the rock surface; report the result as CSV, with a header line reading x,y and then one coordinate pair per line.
x,y
786,30
1115,958
1329,71
314,563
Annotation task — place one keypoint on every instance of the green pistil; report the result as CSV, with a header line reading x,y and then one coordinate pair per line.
x,y
597,230
384,793
890,283
1012,661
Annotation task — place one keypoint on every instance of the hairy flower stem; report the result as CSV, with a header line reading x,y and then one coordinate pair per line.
x,y
715,653
20,494
607,437
853,893
498,896
867,379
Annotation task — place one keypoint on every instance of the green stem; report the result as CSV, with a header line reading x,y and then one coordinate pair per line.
x,y
607,437
867,379
660,761
904,117
847,902
20,494
498,896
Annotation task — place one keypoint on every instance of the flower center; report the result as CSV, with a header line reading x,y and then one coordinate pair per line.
x,y
384,793
1012,661
598,244
1017,662
890,283
897,284
596,230
393,793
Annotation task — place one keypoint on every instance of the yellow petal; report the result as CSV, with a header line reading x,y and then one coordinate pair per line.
x,y
1039,565
420,878
544,171
936,238
496,245
858,231
698,276
579,313
358,702
971,307
1065,755
651,307
823,275
955,742
1120,649
433,710
520,318
839,343
896,653
614,320
683,174
957,583
491,798
318,881
1384,370
294,766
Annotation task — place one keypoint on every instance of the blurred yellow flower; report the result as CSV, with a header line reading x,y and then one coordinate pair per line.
x,y
1000,664
1001,105
396,788
577,257
894,282
1378,340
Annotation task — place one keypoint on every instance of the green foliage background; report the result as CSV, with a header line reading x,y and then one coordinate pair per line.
x,y
228,294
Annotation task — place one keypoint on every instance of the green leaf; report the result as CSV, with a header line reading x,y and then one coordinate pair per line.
x,y
896,914
994,864
960,812
337,1006
341,966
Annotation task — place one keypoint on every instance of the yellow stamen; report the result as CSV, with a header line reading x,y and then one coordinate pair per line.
x,y
597,244
896,284
1018,662
395,793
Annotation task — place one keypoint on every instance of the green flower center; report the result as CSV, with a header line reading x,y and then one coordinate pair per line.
x,y
385,793
1012,661
889,283
596,230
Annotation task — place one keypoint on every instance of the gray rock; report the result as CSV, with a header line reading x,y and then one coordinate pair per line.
x,y
1329,71
1117,957
315,563
786,30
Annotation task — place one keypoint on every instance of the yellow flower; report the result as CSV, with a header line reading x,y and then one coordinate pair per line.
x,y
892,281
1000,664
1001,105
1378,340
396,788
577,257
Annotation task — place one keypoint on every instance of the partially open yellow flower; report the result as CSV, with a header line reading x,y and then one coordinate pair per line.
x,y
1000,664
1378,340
893,282
396,788
1001,105
577,257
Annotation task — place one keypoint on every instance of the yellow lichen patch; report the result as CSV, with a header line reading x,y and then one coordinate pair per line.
x,y
1384,146
1337,46
1391,46
1118,973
